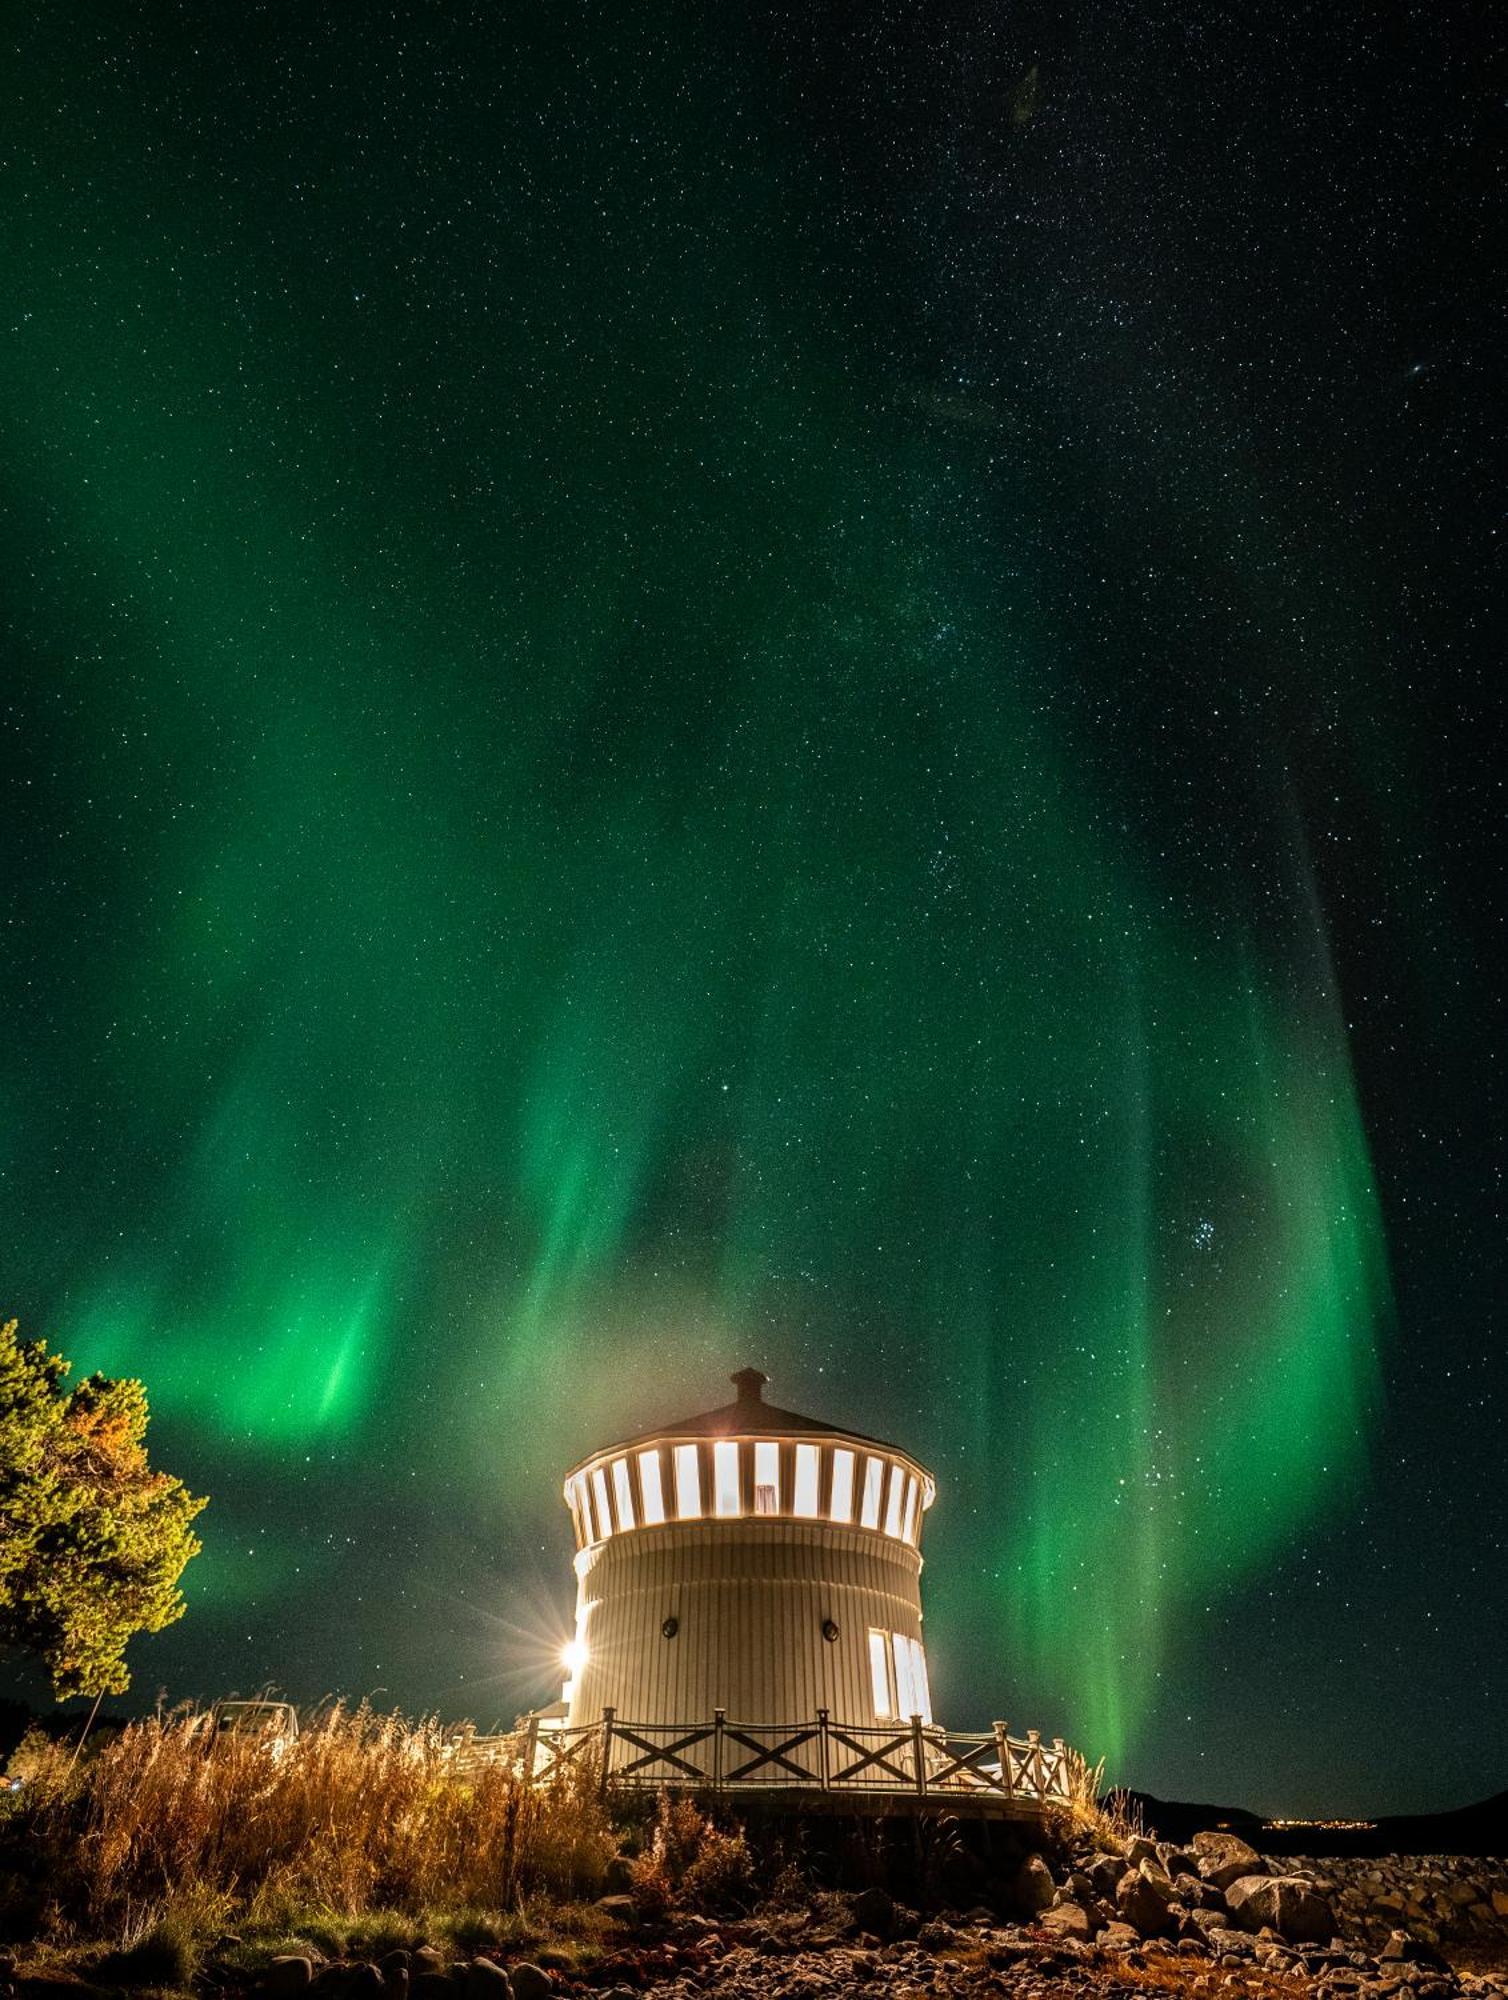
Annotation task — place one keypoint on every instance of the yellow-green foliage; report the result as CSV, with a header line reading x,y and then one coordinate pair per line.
x,y
92,1540
360,1813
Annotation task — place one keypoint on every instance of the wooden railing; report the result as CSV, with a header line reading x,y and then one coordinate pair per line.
x,y
915,1758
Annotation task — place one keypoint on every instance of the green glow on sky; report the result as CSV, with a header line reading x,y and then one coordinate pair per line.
x,y
573,871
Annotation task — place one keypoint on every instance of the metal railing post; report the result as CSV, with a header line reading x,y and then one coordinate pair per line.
x,y
823,1751
1003,1752
719,1717
607,1744
919,1754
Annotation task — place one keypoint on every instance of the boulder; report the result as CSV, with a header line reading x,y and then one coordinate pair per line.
x,y
1144,1897
1068,1919
1119,1936
530,1982
1139,1849
287,1976
620,1908
874,1911
486,1980
1034,1887
1290,1905
1401,1949
618,1876
426,1959
1222,1859
1106,1872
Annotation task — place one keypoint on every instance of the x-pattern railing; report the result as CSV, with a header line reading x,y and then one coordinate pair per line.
x,y
722,1755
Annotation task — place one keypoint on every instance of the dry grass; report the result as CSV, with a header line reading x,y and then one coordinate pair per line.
x,y
363,1813
1110,1819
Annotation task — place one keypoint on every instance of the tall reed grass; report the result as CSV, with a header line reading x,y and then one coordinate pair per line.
x,y
361,1813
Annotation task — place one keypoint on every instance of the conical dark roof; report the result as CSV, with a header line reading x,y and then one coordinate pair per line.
x,y
749,1415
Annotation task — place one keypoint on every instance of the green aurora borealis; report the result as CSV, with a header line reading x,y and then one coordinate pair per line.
x,y
567,833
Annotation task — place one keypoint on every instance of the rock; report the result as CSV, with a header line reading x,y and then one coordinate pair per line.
x,y
1143,1898
1175,1861
874,1911
1106,1872
618,1876
362,1982
530,1982
486,1980
935,1936
426,1959
1403,1949
1119,1936
1222,1859
1139,1849
620,1908
555,1961
1068,1919
287,1976
1034,1887
395,1981
1289,1905
433,1986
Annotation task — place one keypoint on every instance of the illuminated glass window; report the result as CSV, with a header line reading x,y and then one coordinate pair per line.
x,y
688,1483
622,1493
893,1502
805,1502
726,1497
767,1479
874,1477
909,1529
842,1500
879,1675
905,1693
649,1486
919,1687
599,1500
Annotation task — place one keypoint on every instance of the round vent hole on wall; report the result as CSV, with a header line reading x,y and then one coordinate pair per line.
x,y
829,1631
671,1626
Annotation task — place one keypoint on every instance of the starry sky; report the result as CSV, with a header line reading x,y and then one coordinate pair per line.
x,y
687,686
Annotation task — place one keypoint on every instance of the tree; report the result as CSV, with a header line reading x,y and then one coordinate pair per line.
x,y
92,1540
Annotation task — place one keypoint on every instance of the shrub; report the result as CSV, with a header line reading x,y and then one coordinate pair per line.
x,y
360,1813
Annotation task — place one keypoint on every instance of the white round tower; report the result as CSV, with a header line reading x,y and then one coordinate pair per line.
x,y
752,1561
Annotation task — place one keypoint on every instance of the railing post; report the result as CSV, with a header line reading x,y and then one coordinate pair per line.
x,y
531,1749
1003,1752
607,1744
823,1751
719,1717
919,1754
1034,1741
1060,1767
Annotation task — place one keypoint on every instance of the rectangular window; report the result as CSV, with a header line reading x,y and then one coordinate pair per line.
x,y
905,1694
688,1483
842,1500
727,1498
767,1478
893,1502
599,1501
879,1675
874,1476
622,1493
919,1685
649,1486
909,1529
805,1503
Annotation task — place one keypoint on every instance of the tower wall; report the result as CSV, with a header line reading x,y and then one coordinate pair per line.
x,y
749,1598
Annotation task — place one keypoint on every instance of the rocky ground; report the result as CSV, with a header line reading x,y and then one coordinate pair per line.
x,y
1210,1921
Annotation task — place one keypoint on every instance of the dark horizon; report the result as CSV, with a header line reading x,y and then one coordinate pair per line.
x,y
804,691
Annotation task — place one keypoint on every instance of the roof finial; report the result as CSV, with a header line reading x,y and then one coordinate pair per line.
x,y
749,1383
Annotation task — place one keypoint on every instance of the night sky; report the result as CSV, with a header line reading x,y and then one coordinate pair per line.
x,y
687,686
